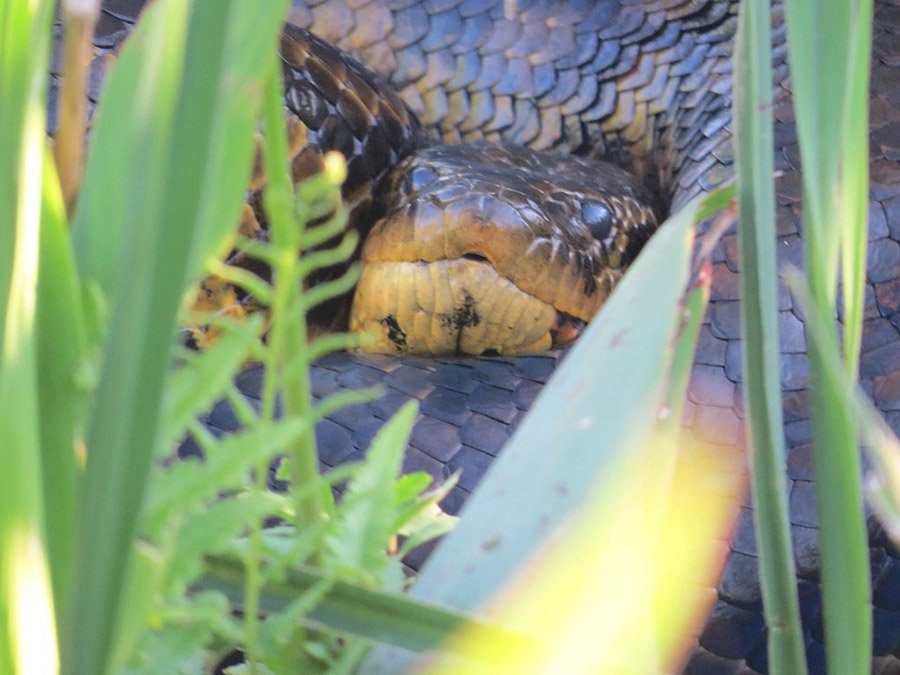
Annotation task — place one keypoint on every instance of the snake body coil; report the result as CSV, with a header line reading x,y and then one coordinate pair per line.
x,y
645,83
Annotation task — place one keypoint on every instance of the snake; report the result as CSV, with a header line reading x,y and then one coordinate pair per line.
x,y
645,85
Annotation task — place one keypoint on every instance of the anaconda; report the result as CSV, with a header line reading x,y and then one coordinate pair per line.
x,y
658,94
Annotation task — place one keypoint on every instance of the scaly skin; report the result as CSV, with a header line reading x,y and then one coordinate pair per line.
x,y
470,406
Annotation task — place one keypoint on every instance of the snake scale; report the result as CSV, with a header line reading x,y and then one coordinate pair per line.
x,y
645,83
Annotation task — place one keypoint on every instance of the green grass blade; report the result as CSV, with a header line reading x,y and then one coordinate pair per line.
x,y
817,50
121,432
821,36
601,404
881,444
27,632
63,392
139,249
759,326
392,618
854,177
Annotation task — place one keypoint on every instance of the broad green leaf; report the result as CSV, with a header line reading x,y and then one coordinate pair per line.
x,y
156,134
27,630
754,152
599,596
600,408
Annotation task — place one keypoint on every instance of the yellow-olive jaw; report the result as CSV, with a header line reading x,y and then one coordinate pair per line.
x,y
448,307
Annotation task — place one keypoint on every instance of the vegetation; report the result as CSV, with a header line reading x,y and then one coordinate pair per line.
x,y
114,558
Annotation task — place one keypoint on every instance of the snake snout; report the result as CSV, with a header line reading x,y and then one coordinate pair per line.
x,y
460,265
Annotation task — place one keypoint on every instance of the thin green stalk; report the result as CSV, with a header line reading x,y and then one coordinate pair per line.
x,y
855,180
253,581
286,342
820,49
759,326
288,332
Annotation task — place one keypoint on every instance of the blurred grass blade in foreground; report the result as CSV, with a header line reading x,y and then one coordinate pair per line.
x,y
589,428
829,47
141,223
754,148
27,632
604,595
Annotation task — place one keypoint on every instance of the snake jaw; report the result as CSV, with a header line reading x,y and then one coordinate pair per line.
x,y
456,306
464,264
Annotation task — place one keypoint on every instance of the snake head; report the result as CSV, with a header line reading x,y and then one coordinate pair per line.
x,y
490,248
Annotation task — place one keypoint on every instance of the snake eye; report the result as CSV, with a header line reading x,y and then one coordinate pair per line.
x,y
477,257
598,218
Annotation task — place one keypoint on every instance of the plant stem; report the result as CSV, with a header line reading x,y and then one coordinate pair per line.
x,y
68,149
823,38
759,326
288,332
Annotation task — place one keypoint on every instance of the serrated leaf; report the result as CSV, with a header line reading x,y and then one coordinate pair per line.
x,y
365,519
195,387
227,466
213,530
423,520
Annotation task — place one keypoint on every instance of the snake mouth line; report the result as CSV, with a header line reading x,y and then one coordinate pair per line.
x,y
459,306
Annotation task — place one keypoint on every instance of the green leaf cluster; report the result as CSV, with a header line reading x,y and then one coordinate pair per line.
x,y
106,539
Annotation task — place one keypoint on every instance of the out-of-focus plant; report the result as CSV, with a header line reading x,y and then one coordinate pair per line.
x,y
829,50
754,159
603,436
829,53
100,545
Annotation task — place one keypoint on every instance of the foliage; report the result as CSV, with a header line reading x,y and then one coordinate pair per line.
x,y
139,563
101,544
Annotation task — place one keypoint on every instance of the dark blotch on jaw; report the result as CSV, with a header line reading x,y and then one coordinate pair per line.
x,y
395,333
588,274
466,316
